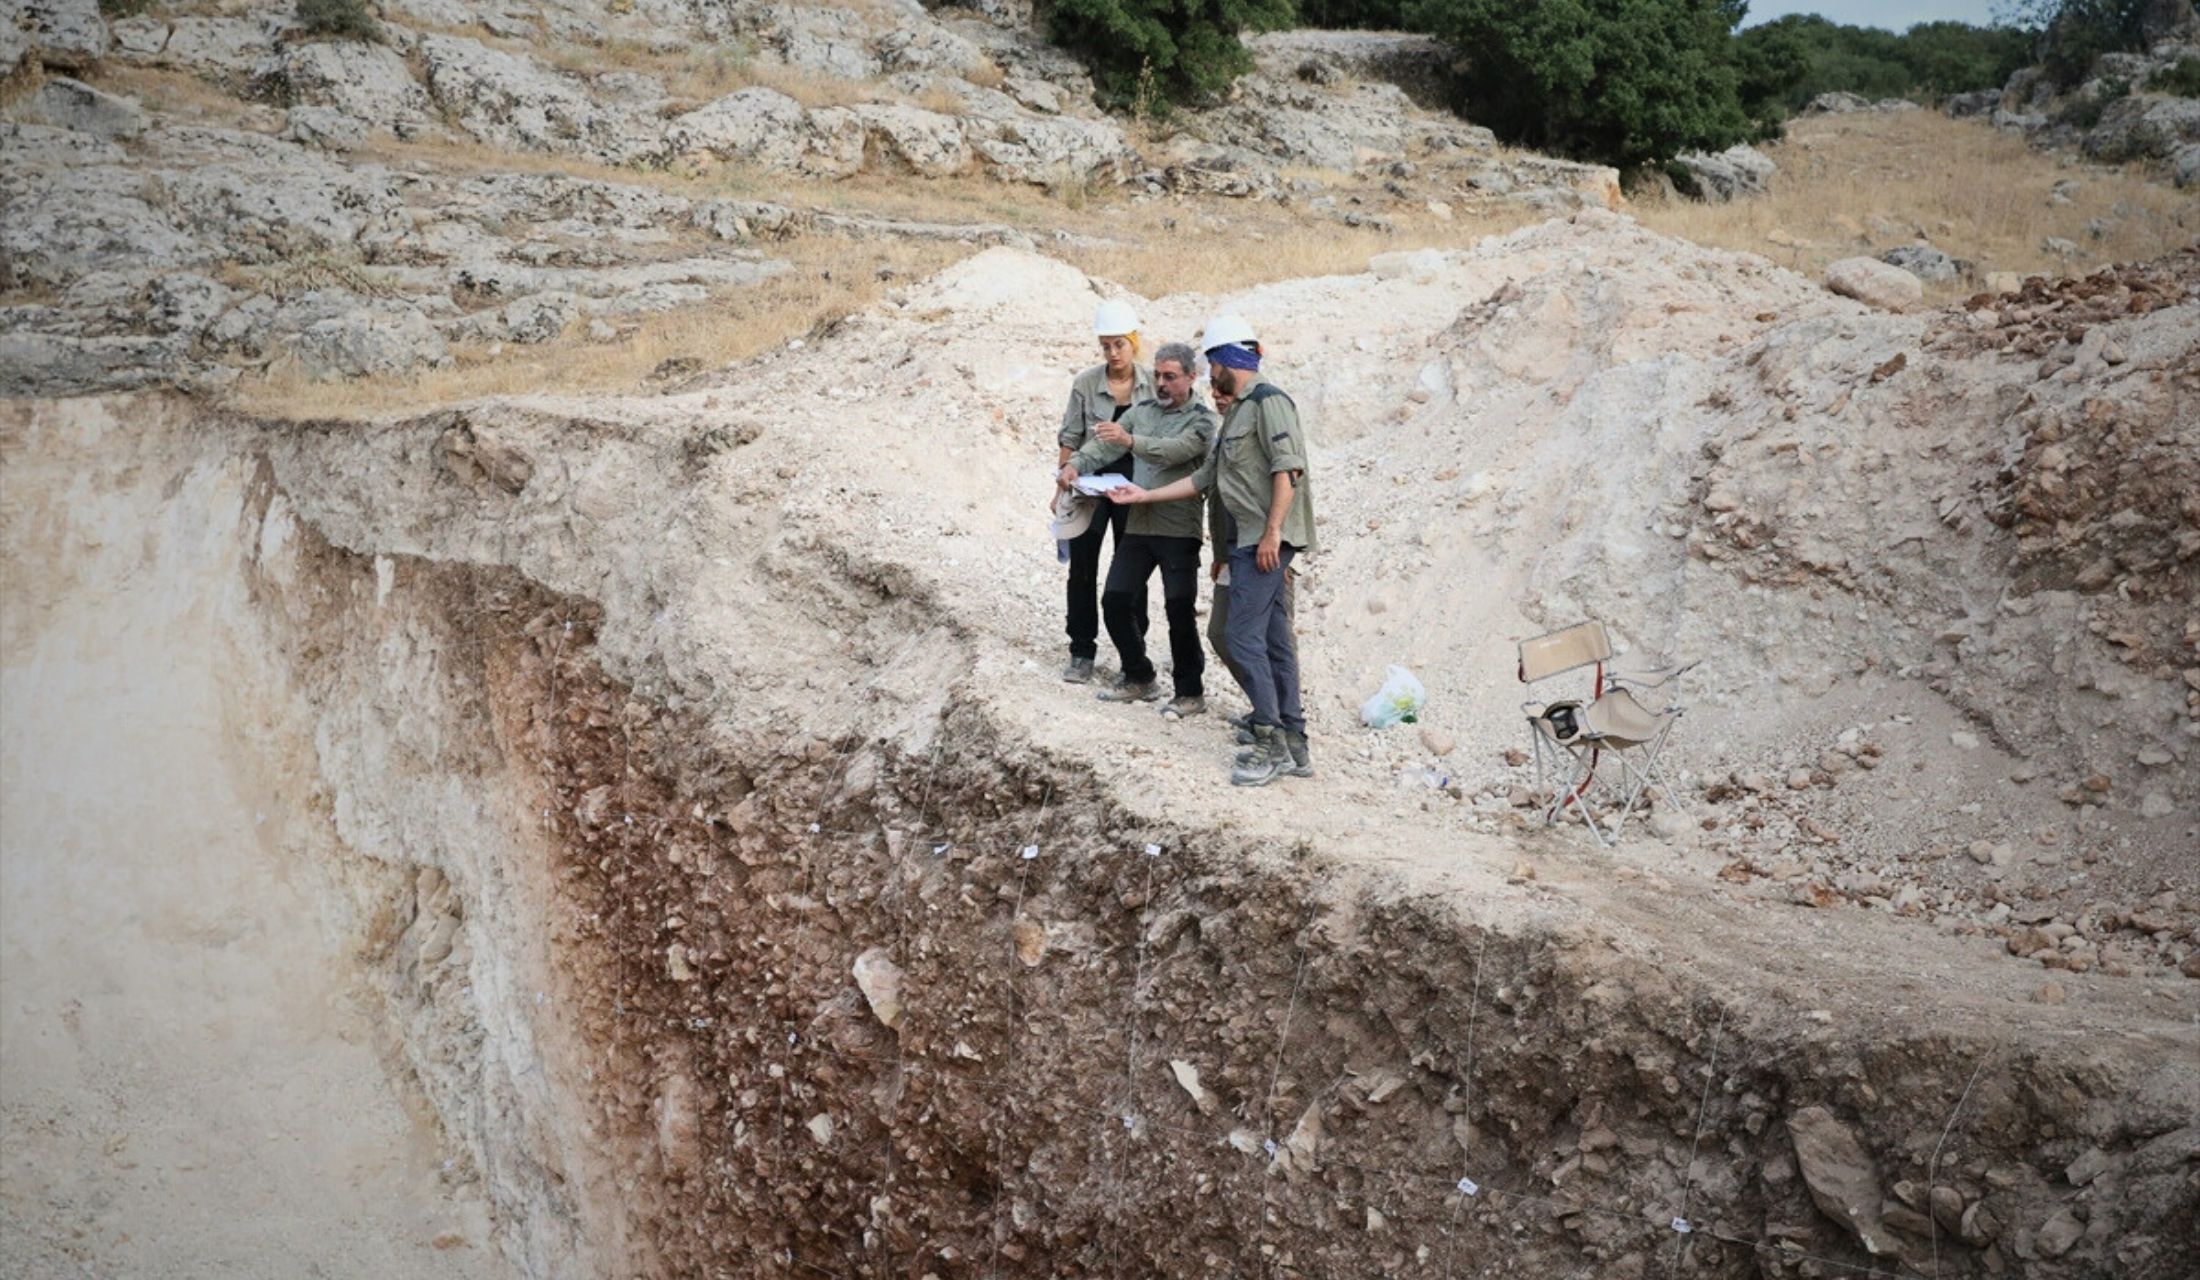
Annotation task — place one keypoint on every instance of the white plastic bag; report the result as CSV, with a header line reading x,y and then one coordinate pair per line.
x,y
1399,701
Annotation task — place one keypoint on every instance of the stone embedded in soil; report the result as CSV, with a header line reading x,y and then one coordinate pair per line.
x,y
1187,1076
880,980
1839,1173
1436,742
2059,1233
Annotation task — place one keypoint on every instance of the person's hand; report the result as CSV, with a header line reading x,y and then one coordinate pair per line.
x,y
1064,478
1127,494
1269,553
1112,433
1214,570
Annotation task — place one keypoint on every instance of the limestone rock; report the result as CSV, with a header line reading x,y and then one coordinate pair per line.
x,y
1739,171
235,49
921,142
1836,104
1874,283
766,127
325,128
1301,1152
880,980
512,101
1187,1076
1924,261
68,35
2144,127
1840,1175
374,343
72,104
368,82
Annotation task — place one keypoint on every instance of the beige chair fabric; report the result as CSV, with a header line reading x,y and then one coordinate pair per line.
x,y
1617,720
1555,652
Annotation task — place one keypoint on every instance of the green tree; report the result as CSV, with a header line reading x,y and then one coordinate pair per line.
x,y
1625,82
1143,51
1787,62
1956,57
1367,15
2070,35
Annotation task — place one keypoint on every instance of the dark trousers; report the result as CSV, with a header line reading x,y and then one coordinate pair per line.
x,y
1123,605
1084,580
1218,624
1261,641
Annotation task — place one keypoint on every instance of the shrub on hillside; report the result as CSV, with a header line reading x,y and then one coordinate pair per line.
x,y
1145,53
1625,82
338,20
2182,79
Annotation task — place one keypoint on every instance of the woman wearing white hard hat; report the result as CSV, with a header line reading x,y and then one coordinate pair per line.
x,y
1098,398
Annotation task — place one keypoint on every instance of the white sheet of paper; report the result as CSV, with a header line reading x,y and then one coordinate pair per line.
x,y
1099,484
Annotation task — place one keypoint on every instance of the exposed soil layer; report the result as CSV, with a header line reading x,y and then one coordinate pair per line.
x,y
742,897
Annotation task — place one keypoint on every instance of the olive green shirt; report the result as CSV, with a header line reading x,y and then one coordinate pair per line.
x,y
1089,402
1166,446
1256,441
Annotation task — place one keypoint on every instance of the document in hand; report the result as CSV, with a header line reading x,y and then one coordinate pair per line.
x,y
1099,484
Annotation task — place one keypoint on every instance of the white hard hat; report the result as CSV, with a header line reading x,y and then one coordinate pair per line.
x,y
1225,329
1114,319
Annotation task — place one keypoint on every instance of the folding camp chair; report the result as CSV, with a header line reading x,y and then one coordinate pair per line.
x,y
1614,721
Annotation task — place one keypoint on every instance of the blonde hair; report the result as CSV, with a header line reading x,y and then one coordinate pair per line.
x,y
1138,348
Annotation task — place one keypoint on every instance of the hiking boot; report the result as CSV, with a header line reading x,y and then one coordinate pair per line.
x,y
1302,763
1132,691
1178,708
1244,736
1266,762
1079,671
1243,722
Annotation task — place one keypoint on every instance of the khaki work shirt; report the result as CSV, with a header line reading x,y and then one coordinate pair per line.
x,y
1166,446
1089,402
1256,441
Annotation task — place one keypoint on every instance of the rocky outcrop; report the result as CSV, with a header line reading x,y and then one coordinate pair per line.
x,y
1739,171
2121,113
513,101
65,35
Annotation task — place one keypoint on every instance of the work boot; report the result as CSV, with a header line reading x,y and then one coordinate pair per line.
x,y
1079,671
1267,761
1132,691
1302,764
1244,722
1190,705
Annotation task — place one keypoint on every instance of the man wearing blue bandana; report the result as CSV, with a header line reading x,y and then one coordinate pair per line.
x,y
1258,468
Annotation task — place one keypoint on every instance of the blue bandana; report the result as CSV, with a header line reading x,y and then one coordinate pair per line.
x,y
1232,356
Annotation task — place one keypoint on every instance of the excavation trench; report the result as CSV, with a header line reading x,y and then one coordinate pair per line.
x,y
686,1000
1060,965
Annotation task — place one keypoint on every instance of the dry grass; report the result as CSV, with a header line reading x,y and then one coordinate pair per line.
x,y
832,278
165,91
1223,261
1865,183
